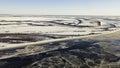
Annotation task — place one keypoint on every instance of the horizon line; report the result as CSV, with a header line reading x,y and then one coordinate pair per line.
x,y
53,15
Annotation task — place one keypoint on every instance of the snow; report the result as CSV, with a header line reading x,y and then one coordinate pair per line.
x,y
24,27
3,44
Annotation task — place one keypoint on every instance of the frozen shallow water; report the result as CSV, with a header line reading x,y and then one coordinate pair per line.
x,y
23,27
57,25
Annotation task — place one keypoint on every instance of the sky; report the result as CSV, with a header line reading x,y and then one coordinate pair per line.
x,y
61,7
